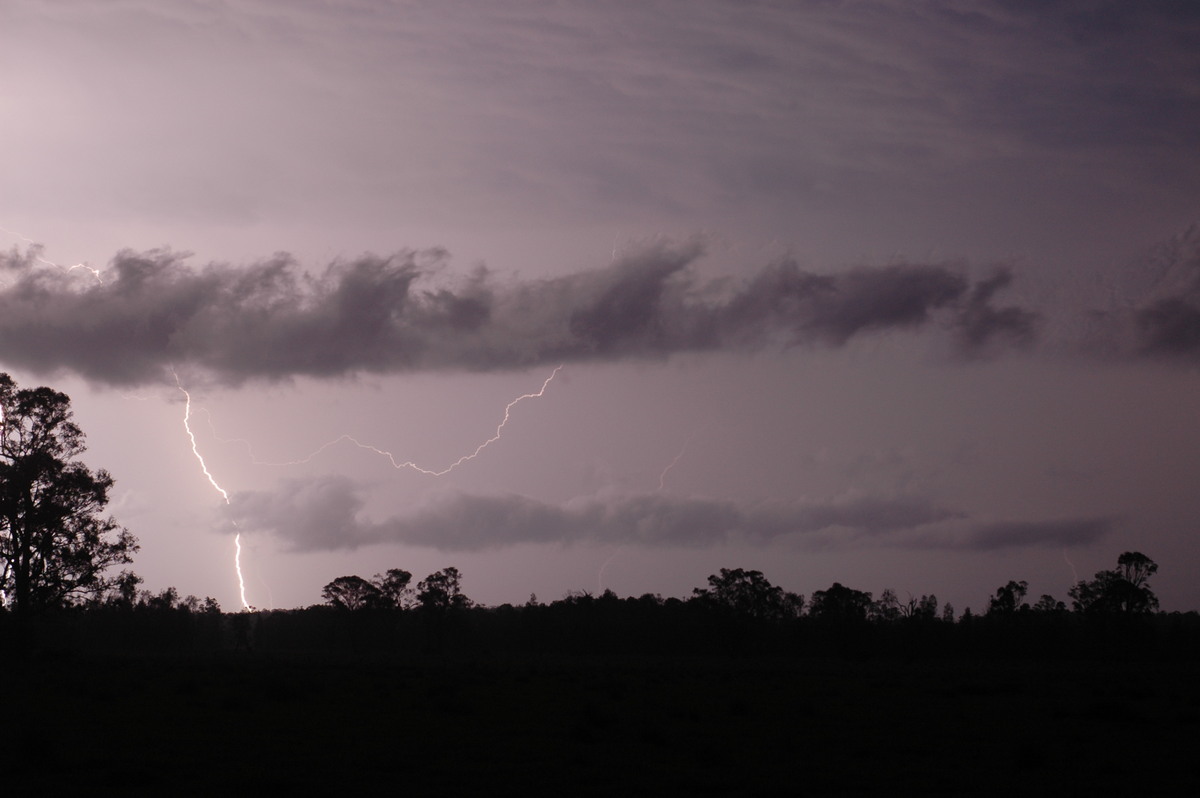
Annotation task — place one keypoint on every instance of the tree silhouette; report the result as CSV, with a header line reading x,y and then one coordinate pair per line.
x,y
923,608
888,606
1049,604
749,593
840,604
441,590
54,545
1009,599
1136,568
1120,591
351,593
393,587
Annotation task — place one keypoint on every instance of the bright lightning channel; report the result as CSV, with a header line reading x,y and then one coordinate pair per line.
x,y
237,539
408,463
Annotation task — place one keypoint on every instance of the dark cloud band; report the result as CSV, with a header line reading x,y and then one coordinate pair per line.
x,y
326,513
403,313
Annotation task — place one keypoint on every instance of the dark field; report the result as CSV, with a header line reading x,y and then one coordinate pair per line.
x,y
258,723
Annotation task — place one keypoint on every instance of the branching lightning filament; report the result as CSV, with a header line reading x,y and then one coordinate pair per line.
x,y
34,247
392,458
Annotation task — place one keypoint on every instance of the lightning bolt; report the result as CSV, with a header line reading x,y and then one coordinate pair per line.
x,y
237,539
187,425
662,478
661,486
1074,573
391,458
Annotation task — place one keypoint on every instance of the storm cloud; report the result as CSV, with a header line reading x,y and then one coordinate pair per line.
x,y
151,311
327,513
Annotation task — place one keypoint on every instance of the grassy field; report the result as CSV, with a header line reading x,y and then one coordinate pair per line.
x,y
254,723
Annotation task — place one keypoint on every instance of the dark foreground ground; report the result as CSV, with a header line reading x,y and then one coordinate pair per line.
x,y
260,723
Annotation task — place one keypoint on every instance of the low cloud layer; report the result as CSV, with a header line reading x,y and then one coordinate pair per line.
x,y
326,513
150,311
1063,532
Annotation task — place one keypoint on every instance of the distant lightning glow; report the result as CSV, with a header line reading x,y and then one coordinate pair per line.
x,y
408,463
237,539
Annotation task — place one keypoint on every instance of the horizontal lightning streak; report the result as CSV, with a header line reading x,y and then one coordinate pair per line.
x,y
407,463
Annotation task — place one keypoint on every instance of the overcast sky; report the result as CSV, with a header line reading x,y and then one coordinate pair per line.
x,y
893,294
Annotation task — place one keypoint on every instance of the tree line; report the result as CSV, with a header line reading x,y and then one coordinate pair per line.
x,y
738,611
1122,591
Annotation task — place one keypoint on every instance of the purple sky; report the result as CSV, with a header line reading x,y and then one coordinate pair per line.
x,y
890,294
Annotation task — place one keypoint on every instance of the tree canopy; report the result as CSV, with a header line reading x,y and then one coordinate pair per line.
x,y
351,593
1124,590
440,590
55,546
749,593
1009,599
840,604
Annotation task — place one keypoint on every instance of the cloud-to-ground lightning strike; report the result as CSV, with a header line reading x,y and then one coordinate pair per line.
x,y
237,539
408,463
187,417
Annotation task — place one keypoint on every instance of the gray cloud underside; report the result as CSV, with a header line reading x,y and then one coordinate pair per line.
x,y
401,313
326,513
1062,532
